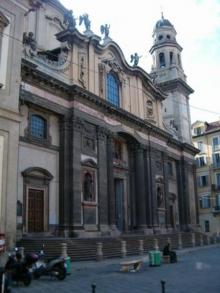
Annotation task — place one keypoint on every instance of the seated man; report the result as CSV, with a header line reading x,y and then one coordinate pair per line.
x,y
168,251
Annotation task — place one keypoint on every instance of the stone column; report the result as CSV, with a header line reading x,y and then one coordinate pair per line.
x,y
123,248
180,242
140,188
156,246
64,250
148,181
111,186
99,255
64,171
201,240
141,246
193,240
102,179
183,191
76,175
153,195
166,191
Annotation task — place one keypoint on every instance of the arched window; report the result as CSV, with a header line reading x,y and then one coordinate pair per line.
x,y
38,126
171,58
162,60
113,89
179,60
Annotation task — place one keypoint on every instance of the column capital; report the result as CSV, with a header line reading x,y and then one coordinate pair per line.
x,y
102,132
77,122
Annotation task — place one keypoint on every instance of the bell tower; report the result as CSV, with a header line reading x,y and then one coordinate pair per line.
x,y
167,72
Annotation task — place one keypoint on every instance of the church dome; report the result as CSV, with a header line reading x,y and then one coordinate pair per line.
x,y
163,22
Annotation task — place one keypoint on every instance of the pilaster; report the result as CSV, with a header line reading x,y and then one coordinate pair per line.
x,y
102,178
140,187
110,175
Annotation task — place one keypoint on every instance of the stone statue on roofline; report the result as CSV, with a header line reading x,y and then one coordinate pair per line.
x,y
135,59
85,19
69,20
105,31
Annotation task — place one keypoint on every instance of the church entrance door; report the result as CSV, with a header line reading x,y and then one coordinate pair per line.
x,y
119,200
35,210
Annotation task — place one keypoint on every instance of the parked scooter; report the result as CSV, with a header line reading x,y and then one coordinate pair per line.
x,y
54,268
4,281
17,269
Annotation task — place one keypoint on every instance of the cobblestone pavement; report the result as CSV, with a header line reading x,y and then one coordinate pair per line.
x,y
197,271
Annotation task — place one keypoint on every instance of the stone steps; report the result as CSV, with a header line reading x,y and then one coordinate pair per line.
x,y
86,249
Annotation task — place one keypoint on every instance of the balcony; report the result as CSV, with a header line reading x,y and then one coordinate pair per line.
x,y
216,210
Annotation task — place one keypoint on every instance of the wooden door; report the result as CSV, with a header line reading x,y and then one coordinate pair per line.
x,y
35,210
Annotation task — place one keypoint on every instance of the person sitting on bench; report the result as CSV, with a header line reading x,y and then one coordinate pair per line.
x,y
171,253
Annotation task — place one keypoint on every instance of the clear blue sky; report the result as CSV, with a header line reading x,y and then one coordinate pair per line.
x,y
197,23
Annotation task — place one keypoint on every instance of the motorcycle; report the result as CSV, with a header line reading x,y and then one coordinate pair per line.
x,y
54,268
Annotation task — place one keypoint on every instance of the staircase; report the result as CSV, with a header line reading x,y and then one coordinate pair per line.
x,y
86,249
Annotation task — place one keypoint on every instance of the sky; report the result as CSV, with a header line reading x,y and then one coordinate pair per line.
x,y
197,23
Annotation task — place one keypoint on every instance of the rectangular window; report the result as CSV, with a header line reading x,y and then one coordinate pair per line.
x,y
216,159
218,180
201,146
215,143
205,202
202,181
217,202
197,130
207,226
201,161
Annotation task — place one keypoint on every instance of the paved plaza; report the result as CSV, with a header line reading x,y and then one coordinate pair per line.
x,y
197,271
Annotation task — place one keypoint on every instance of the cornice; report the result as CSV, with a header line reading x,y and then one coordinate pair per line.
x,y
32,74
165,44
176,83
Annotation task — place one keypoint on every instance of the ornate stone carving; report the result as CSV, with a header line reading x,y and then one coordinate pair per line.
x,y
89,144
55,20
30,44
35,5
102,71
113,64
78,123
82,69
101,132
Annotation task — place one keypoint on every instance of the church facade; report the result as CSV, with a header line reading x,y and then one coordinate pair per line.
x,y
95,156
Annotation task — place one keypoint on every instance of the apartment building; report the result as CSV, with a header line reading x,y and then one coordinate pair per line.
x,y
206,137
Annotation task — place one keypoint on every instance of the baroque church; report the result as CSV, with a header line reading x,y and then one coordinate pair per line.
x,y
104,148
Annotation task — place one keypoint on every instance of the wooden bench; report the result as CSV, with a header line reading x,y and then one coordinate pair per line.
x,y
131,266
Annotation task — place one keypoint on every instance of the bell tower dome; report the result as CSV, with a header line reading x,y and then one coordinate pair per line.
x,y
167,72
